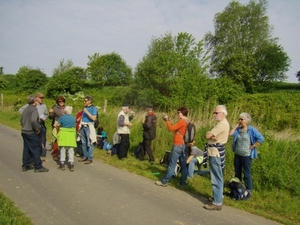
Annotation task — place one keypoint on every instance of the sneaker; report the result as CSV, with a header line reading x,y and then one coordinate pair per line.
x,y
159,183
88,161
77,155
25,168
82,160
212,207
61,167
72,167
41,170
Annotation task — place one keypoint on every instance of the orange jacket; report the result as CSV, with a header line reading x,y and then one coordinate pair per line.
x,y
179,131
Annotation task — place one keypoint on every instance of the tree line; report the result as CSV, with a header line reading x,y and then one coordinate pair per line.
x,y
241,56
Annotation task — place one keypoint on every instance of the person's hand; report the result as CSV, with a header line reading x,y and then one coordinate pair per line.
x,y
129,124
38,132
85,110
214,138
50,110
165,117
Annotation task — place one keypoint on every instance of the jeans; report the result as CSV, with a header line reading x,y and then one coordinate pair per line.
x,y
216,175
70,154
178,152
87,145
243,163
31,149
191,168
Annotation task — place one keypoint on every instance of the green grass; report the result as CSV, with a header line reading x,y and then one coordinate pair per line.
x,y
276,174
10,214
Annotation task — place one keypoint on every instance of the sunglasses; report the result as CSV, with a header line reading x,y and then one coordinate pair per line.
x,y
85,100
61,101
241,119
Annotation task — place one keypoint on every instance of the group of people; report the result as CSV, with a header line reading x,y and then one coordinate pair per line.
x,y
245,141
79,133
68,132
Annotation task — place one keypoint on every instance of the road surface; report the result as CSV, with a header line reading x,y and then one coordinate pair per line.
x,y
100,194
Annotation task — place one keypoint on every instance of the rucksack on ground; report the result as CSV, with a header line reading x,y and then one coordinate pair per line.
x,y
237,190
137,151
166,160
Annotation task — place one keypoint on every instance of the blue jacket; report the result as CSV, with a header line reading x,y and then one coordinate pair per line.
x,y
254,135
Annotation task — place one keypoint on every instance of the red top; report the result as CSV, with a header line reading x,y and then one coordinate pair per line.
x,y
78,119
179,129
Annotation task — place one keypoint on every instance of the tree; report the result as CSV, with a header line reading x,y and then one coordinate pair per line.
x,y
172,73
109,70
68,65
70,81
242,48
28,79
298,75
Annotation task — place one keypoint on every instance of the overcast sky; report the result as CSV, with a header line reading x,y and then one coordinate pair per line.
x,y
40,33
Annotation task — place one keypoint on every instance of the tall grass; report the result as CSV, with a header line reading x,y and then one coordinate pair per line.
x,y
276,173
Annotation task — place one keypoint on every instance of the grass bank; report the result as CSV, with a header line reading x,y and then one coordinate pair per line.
x,y
276,174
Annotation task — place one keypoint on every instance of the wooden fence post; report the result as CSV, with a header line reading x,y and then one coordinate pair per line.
x,y
105,105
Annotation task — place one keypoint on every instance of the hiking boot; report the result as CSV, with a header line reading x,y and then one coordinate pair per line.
x,y
212,207
41,170
159,183
88,161
72,167
25,168
61,167
82,160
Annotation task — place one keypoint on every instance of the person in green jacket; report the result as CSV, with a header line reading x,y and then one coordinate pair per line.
x,y
66,138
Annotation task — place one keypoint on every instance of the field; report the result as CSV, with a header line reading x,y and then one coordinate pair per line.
x,y
276,173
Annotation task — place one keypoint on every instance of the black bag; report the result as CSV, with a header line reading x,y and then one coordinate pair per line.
x,y
137,152
237,190
166,159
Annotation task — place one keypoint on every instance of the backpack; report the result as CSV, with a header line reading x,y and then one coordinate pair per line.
x,y
237,190
190,133
137,152
166,160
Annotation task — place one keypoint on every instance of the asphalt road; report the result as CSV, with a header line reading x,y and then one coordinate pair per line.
x,y
101,194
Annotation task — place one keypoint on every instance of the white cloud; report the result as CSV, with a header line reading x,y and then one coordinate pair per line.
x,y
41,33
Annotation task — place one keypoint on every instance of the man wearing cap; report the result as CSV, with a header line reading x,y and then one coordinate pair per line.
x,y
123,129
31,126
43,114
149,133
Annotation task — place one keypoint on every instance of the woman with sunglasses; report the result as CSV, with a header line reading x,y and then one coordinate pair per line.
x,y
245,140
55,113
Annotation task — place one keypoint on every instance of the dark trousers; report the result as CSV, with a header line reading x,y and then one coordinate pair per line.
x,y
31,150
42,137
146,148
124,146
243,164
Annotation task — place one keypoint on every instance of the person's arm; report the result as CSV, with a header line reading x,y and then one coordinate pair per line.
x,y
189,159
233,130
210,136
22,108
